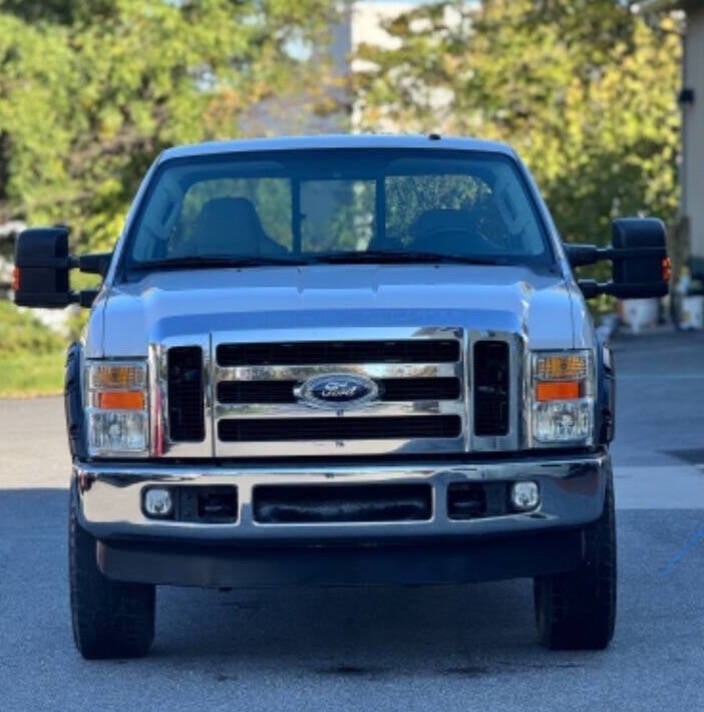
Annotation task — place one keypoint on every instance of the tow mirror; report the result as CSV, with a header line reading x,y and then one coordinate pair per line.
x,y
641,268
42,266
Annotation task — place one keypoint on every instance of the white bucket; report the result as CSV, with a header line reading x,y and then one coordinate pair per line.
x,y
639,313
692,313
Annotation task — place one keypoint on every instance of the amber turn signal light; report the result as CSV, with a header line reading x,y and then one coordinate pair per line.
x,y
561,367
558,390
113,376
121,400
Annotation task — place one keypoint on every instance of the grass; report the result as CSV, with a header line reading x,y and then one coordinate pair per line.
x,y
31,355
26,375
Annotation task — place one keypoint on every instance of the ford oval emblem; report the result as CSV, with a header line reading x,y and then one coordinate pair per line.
x,y
337,390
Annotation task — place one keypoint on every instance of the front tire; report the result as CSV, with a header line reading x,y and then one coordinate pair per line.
x,y
111,619
577,610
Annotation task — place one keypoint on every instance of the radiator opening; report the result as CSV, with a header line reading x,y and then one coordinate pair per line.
x,y
491,388
347,428
185,394
339,352
319,504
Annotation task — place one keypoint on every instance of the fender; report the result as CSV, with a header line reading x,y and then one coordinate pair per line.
x,y
73,403
605,394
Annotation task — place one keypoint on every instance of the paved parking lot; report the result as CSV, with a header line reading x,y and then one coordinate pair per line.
x,y
386,648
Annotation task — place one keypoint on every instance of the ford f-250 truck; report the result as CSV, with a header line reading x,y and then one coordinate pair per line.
x,y
339,360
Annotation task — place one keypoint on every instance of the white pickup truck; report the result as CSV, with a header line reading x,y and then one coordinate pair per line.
x,y
339,360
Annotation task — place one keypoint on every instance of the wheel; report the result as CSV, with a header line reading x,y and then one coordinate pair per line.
x,y
110,619
577,610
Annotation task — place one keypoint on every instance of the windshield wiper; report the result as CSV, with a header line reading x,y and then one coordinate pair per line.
x,y
343,257
400,256
205,261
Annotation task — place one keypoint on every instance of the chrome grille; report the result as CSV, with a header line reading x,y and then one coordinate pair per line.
x,y
420,407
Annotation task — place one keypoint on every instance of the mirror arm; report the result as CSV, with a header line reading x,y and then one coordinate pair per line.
x,y
581,255
95,263
632,253
86,297
591,288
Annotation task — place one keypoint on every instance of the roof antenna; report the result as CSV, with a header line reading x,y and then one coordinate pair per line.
x,y
434,136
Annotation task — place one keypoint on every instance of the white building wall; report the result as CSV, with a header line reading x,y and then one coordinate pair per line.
x,y
693,131
367,22
366,26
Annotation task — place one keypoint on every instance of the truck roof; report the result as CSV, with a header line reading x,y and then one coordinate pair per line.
x,y
336,141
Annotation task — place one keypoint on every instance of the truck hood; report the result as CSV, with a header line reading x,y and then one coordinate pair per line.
x,y
128,316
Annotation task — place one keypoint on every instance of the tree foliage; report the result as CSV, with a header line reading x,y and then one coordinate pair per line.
x,y
92,90
583,89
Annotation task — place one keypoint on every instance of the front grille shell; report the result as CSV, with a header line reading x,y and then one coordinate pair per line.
x,y
263,393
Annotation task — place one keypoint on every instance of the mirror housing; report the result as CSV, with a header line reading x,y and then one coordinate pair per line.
x,y
641,268
42,267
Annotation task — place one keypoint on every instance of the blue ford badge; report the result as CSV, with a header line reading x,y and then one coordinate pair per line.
x,y
337,390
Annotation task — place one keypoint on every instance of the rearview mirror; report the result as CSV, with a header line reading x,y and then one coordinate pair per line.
x,y
42,267
641,268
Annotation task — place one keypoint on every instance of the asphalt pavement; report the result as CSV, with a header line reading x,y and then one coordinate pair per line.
x,y
448,648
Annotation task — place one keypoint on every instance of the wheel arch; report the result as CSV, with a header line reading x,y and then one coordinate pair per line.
x,y
73,402
605,394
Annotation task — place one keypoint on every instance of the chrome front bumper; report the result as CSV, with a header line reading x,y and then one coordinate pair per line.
x,y
110,496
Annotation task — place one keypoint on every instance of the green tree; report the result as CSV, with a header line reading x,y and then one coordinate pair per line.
x,y
92,90
583,89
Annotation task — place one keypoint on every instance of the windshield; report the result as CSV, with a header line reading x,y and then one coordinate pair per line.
x,y
350,205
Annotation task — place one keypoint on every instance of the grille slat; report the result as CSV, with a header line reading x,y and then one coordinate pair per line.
x,y
344,428
390,390
339,352
491,388
185,394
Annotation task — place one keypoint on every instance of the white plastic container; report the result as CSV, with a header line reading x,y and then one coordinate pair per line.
x,y
692,312
640,313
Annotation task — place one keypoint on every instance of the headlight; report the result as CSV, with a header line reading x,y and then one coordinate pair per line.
x,y
117,408
563,398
